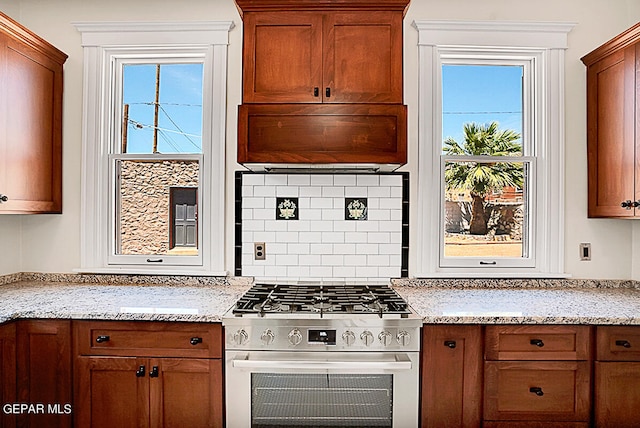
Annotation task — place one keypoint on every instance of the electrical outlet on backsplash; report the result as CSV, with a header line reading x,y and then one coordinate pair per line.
x,y
322,226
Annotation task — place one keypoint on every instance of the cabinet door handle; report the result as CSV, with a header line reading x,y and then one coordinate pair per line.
x,y
623,343
327,92
102,338
316,91
628,204
154,371
3,198
537,342
536,390
140,371
450,344
195,340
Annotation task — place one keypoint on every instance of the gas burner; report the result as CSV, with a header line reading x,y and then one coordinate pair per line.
x,y
321,303
333,300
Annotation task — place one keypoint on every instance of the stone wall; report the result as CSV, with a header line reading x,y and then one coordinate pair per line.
x,y
144,202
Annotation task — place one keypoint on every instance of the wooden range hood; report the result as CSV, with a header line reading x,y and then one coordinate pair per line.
x,y
322,85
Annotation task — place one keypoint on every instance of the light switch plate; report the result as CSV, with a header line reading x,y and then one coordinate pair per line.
x,y
585,251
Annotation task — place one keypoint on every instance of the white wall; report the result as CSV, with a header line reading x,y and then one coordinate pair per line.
x,y
51,243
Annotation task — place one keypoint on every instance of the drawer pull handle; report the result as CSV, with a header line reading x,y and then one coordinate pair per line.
x,y
450,343
536,390
195,340
140,371
102,338
154,372
537,342
623,343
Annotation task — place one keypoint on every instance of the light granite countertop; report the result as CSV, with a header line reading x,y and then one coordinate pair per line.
x,y
134,302
201,299
589,306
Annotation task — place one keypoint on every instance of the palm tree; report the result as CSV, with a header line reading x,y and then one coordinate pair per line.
x,y
480,178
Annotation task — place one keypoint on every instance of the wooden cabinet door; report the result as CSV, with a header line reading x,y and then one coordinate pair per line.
x,y
186,392
31,114
451,376
111,392
44,372
282,57
537,391
617,394
362,57
611,93
7,372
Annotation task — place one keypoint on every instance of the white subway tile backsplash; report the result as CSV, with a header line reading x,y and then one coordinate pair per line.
x,y
322,180
321,244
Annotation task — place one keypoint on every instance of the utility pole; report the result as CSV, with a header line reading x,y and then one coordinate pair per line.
x,y
125,128
157,106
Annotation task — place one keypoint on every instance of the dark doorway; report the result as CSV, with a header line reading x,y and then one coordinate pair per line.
x,y
183,217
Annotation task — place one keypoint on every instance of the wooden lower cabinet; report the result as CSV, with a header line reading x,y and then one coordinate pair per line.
x,y
451,376
44,373
537,391
617,394
122,389
7,372
156,392
617,377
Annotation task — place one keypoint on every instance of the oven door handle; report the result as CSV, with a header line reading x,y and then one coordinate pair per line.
x,y
397,362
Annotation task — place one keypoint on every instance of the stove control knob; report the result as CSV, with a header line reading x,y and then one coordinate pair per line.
x,y
404,338
240,337
385,338
295,337
367,337
348,337
267,337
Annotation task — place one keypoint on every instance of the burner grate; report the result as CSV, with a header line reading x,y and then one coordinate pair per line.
x,y
263,299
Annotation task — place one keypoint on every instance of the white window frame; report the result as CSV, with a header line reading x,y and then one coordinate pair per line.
x,y
105,44
542,45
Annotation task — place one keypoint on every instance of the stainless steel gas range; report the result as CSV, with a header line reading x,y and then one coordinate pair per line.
x,y
321,356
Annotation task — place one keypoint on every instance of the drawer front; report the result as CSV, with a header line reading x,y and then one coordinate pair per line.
x,y
537,342
148,339
618,343
547,391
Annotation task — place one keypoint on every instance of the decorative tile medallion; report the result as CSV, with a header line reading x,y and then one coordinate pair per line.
x,y
286,208
355,208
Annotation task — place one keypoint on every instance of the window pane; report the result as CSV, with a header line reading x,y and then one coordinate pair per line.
x,y
157,207
175,126
486,209
481,95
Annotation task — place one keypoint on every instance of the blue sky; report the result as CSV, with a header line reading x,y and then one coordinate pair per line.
x,y
480,94
180,116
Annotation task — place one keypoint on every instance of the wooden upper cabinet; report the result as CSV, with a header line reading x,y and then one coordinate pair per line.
x,y
332,57
613,132
322,83
30,121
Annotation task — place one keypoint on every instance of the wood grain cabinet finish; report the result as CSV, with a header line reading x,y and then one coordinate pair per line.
x,y
148,374
7,371
322,82
617,377
613,130
44,374
451,376
31,84
536,374
315,57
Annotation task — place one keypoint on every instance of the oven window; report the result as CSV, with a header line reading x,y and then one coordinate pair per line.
x,y
321,400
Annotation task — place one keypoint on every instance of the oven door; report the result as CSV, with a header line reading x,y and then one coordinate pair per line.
x,y
321,389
